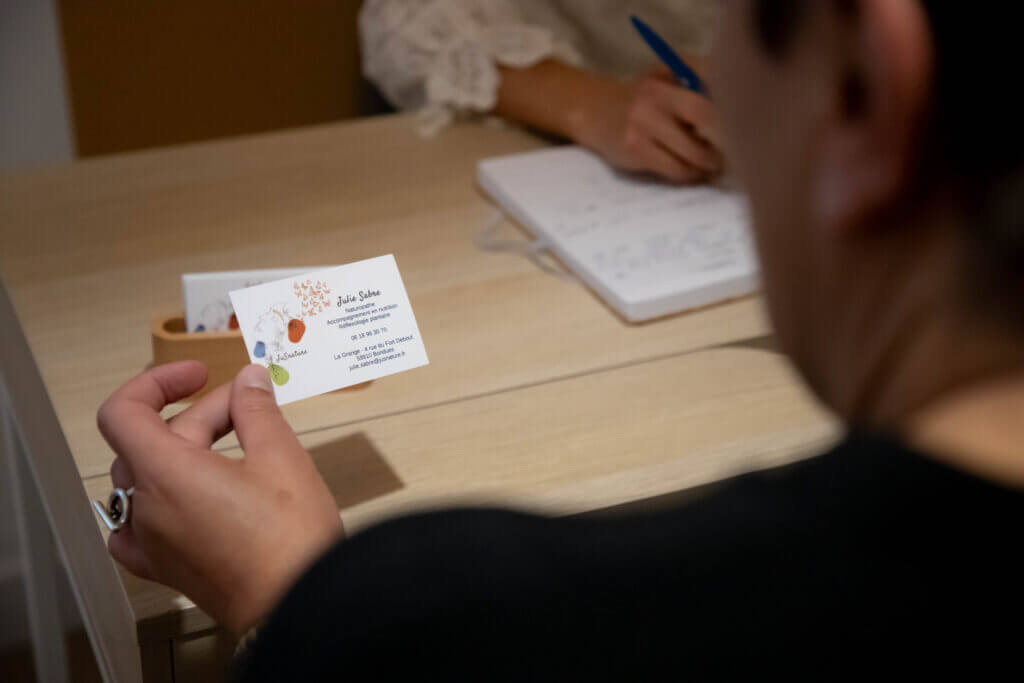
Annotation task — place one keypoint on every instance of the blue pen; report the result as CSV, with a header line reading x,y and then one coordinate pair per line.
x,y
687,76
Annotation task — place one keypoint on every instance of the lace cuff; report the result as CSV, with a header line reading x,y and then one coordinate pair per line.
x,y
441,57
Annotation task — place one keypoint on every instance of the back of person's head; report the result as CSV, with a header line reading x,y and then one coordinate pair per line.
x,y
880,145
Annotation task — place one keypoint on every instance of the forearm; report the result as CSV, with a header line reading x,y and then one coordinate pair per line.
x,y
553,96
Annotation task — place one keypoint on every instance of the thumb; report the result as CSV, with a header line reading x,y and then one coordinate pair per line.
x,y
261,428
661,72
699,63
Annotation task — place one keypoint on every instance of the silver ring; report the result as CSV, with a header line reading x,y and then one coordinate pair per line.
x,y
118,510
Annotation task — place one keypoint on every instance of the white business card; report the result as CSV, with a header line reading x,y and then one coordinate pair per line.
x,y
207,302
330,328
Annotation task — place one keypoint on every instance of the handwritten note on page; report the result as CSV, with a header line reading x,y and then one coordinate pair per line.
x,y
648,249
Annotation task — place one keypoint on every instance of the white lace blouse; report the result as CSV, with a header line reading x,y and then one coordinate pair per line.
x,y
440,57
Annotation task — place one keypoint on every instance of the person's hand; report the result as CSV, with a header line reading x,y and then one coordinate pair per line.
x,y
232,535
651,125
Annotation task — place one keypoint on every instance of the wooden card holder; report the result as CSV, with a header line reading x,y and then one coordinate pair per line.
x,y
223,353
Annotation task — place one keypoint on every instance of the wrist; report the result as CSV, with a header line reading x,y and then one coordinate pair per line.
x,y
586,116
578,123
262,589
250,608
583,107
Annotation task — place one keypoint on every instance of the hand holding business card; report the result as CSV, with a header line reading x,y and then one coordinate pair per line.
x,y
330,328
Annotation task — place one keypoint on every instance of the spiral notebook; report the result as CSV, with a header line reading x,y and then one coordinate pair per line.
x,y
646,248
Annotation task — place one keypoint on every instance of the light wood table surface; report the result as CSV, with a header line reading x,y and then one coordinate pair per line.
x,y
537,395
91,253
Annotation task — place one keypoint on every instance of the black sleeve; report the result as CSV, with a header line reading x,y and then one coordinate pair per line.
x,y
834,561
464,594
497,595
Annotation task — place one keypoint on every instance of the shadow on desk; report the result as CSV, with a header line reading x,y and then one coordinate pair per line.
x,y
767,342
354,470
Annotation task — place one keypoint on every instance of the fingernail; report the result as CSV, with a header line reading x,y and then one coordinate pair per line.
x,y
257,377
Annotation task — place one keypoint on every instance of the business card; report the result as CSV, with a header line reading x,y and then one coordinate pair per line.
x,y
207,295
330,328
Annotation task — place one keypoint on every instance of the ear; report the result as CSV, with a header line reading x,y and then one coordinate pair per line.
x,y
882,88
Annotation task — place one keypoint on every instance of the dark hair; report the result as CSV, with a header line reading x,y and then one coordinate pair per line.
x,y
974,135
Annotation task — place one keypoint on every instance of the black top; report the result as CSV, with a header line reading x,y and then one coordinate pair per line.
x,y
866,557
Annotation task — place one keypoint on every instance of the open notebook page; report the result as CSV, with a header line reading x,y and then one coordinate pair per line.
x,y
648,249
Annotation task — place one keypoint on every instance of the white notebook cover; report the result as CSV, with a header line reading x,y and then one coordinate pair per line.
x,y
647,248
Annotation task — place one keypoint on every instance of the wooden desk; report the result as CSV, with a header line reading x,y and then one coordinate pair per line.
x,y
91,253
537,395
